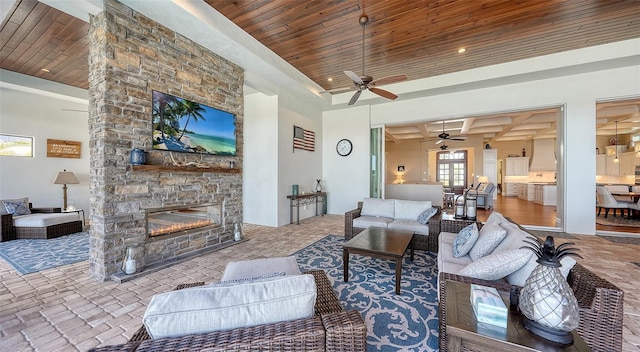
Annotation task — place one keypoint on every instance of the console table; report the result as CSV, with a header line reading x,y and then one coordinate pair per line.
x,y
305,199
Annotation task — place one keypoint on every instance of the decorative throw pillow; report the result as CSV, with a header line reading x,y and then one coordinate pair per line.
x,y
465,240
426,215
230,305
521,275
497,265
17,207
489,237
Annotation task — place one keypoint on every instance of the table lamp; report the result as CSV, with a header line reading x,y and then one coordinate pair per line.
x,y
65,178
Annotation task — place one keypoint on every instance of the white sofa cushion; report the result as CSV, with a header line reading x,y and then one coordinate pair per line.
x,y
44,219
257,268
378,207
489,237
495,217
497,265
514,239
230,305
465,239
410,209
521,275
364,222
409,225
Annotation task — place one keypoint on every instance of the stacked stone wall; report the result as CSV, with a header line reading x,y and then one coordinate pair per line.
x,y
130,56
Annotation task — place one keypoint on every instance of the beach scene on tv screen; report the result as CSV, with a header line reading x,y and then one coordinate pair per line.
x,y
181,125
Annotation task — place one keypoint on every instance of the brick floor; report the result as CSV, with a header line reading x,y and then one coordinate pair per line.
x,y
62,309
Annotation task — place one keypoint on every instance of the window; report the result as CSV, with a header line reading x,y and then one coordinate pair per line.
x,y
452,170
12,145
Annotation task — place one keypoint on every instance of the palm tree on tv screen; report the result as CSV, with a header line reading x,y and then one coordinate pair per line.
x,y
192,111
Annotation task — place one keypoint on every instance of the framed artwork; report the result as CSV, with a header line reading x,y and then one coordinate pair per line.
x,y
12,145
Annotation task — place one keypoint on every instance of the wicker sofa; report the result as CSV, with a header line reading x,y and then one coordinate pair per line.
x,y
59,224
421,241
331,329
601,303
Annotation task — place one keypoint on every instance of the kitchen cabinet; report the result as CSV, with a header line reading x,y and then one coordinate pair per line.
x,y
627,165
511,189
517,166
545,194
613,168
601,165
526,191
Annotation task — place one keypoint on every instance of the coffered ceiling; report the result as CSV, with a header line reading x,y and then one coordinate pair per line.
x,y
323,38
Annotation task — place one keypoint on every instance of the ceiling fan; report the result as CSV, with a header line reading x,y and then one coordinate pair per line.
x,y
445,136
365,82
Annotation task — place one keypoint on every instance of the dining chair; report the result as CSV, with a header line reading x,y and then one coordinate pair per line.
x,y
607,201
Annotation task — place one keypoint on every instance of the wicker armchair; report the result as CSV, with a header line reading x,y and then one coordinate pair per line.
x,y
601,306
429,243
331,329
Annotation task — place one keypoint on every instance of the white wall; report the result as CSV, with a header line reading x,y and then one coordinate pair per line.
x,y
578,91
260,162
33,113
347,178
299,167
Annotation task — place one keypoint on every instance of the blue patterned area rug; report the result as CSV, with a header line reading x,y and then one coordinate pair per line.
x,y
30,256
405,322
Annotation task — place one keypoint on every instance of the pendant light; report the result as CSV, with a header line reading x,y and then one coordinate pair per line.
x,y
616,159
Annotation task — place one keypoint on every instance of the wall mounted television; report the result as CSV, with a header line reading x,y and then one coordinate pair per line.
x,y
180,125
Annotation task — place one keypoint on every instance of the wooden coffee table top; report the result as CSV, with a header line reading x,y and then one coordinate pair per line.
x,y
381,241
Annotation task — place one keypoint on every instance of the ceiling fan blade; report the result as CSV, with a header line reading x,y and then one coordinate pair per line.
x,y
336,90
388,80
354,77
459,138
439,141
383,93
355,97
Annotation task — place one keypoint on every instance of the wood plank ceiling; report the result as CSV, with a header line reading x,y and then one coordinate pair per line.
x,y
323,38
421,38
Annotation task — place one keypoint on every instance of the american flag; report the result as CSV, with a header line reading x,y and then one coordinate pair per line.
x,y
303,139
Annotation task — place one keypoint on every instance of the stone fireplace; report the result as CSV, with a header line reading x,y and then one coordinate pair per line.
x,y
129,57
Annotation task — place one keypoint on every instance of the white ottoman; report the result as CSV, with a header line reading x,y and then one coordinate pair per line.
x,y
258,268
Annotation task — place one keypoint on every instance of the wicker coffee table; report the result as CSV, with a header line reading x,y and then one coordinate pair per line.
x,y
379,242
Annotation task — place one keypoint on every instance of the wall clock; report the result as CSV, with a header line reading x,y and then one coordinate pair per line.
x,y
344,147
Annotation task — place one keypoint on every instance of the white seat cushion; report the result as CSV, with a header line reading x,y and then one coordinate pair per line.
x,y
364,222
257,268
44,219
409,225
410,209
231,305
378,207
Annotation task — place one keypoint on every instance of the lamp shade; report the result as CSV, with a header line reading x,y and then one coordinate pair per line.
x,y
483,179
66,178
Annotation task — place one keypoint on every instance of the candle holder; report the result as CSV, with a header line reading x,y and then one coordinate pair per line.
x,y
134,259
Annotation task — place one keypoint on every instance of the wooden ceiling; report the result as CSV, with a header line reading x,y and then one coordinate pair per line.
x,y
421,38
323,38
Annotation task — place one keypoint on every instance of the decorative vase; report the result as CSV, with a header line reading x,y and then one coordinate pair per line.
x,y
294,190
134,259
318,186
137,157
547,302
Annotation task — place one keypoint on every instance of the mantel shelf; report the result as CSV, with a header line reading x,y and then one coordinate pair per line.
x,y
172,168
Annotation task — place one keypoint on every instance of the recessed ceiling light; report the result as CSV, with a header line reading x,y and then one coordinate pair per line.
x,y
45,70
330,79
461,50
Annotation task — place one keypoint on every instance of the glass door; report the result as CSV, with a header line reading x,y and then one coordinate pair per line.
x,y
376,179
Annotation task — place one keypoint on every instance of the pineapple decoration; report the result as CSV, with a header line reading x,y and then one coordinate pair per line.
x,y
547,302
